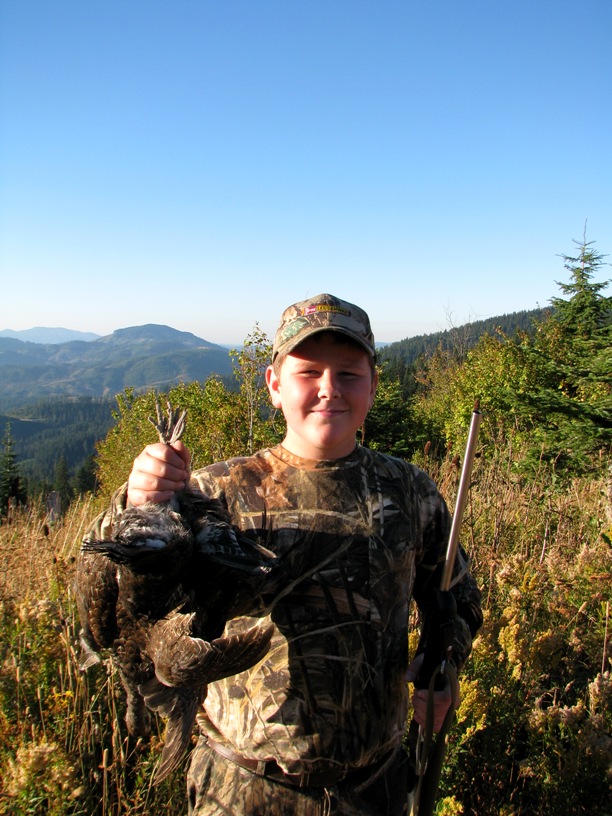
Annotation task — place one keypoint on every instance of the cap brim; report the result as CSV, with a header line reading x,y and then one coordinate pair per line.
x,y
291,345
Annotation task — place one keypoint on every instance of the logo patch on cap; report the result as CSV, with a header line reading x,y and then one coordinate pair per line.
x,y
325,307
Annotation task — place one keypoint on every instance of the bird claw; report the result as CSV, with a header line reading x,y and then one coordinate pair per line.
x,y
170,427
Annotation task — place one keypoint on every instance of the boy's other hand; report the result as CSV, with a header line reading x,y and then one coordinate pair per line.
x,y
442,699
158,473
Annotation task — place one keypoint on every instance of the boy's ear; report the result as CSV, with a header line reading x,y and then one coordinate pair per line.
x,y
273,383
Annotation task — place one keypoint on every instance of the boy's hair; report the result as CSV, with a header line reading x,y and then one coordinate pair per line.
x,y
339,337
318,314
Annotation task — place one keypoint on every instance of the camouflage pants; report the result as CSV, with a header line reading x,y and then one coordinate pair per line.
x,y
218,787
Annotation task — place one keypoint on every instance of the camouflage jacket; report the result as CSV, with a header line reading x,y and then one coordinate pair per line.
x,y
358,538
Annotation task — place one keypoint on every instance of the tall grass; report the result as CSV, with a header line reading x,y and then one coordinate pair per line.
x,y
63,745
533,732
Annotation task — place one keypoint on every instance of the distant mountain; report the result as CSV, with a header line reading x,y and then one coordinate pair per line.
x,y
141,357
42,334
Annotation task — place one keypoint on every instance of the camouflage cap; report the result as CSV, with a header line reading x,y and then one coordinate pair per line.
x,y
322,313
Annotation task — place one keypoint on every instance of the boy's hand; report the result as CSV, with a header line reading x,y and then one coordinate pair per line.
x,y
158,473
442,699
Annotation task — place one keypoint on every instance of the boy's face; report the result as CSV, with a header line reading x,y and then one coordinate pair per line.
x,y
325,388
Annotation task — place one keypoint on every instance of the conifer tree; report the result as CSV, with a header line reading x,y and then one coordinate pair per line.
x,y
12,486
587,311
572,351
61,484
85,480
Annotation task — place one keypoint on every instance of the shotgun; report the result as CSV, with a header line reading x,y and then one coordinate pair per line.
x,y
437,668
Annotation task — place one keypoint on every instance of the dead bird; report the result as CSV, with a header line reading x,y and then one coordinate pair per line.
x,y
157,596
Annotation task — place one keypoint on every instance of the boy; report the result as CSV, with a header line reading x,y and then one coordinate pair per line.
x,y
316,727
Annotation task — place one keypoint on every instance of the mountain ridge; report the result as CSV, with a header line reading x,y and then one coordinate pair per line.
x,y
136,357
48,334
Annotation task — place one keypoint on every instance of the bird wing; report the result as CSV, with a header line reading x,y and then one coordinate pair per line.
x,y
183,660
178,706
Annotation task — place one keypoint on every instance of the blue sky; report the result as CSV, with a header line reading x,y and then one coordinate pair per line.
x,y
205,163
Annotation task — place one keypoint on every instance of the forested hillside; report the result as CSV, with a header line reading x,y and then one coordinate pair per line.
x,y
463,338
56,429
400,358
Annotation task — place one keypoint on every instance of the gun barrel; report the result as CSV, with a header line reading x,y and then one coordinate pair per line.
x,y
462,494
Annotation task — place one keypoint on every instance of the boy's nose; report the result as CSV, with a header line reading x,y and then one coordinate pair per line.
x,y
328,387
